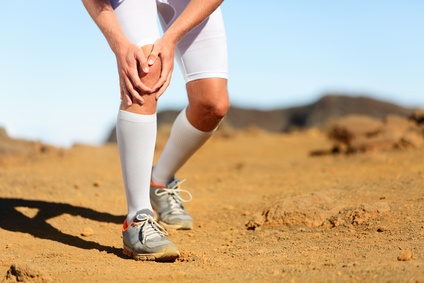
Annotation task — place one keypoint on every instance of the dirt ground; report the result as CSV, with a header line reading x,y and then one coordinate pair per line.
x,y
264,211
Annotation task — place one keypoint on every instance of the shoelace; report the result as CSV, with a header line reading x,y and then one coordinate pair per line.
x,y
150,228
175,198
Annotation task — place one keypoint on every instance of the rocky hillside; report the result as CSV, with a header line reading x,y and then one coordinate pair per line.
x,y
327,108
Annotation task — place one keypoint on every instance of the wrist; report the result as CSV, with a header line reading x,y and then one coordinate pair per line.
x,y
119,45
171,38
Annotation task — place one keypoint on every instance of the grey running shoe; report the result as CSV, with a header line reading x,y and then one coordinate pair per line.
x,y
145,239
169,205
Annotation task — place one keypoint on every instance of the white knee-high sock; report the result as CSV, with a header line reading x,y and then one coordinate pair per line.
x,y
136,135
183,142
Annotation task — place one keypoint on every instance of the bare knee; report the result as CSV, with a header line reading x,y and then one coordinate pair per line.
x,y
208,102
218,108
209,95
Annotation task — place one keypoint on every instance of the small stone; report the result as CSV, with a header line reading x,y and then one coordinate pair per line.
x,y
382,229
275,272
228,207
405,255
87,232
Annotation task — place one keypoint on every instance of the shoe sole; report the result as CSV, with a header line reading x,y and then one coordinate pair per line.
x,y
167,255
175,226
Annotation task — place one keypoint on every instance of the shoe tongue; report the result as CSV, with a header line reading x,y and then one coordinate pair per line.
x,y
151,233
173,183
142,214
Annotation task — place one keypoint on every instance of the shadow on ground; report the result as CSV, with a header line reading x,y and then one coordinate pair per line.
x,y
13,220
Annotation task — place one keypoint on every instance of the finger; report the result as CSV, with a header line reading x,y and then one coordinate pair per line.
x,y
133,93
151,59
142,61
165,73
164,87
137,83
121,90
159,83
164,77
125,97
134,73
153,55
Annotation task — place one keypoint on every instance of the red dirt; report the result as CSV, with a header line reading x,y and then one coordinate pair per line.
x,y
264,211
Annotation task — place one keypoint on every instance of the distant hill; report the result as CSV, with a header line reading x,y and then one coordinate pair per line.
x,y
327,108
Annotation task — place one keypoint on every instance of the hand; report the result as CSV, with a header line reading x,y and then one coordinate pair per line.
x,y
125,94
165,51
131,60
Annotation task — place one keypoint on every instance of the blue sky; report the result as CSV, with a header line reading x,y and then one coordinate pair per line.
x,y
58,81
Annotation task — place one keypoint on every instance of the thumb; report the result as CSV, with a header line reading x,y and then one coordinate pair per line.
x,y
153,55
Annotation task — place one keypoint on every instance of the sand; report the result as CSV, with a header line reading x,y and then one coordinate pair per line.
x,y
264,211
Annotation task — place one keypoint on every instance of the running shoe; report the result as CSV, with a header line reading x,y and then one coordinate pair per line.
x,y
168,204
145,239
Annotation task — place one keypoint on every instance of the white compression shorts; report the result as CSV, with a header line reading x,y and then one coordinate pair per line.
x,y
202,53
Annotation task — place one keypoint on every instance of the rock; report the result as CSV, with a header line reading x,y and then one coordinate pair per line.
x,y
362,134
411,138
352,127
375,143
405,255
360,215
396,128
310,210
382,229
418,116
256,222
316,210
87,232
24,273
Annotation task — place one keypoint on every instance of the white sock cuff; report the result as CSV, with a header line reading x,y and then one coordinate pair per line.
x,y
138,118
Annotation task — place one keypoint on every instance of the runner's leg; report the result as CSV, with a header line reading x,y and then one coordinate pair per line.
x,y
136,124
202,57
